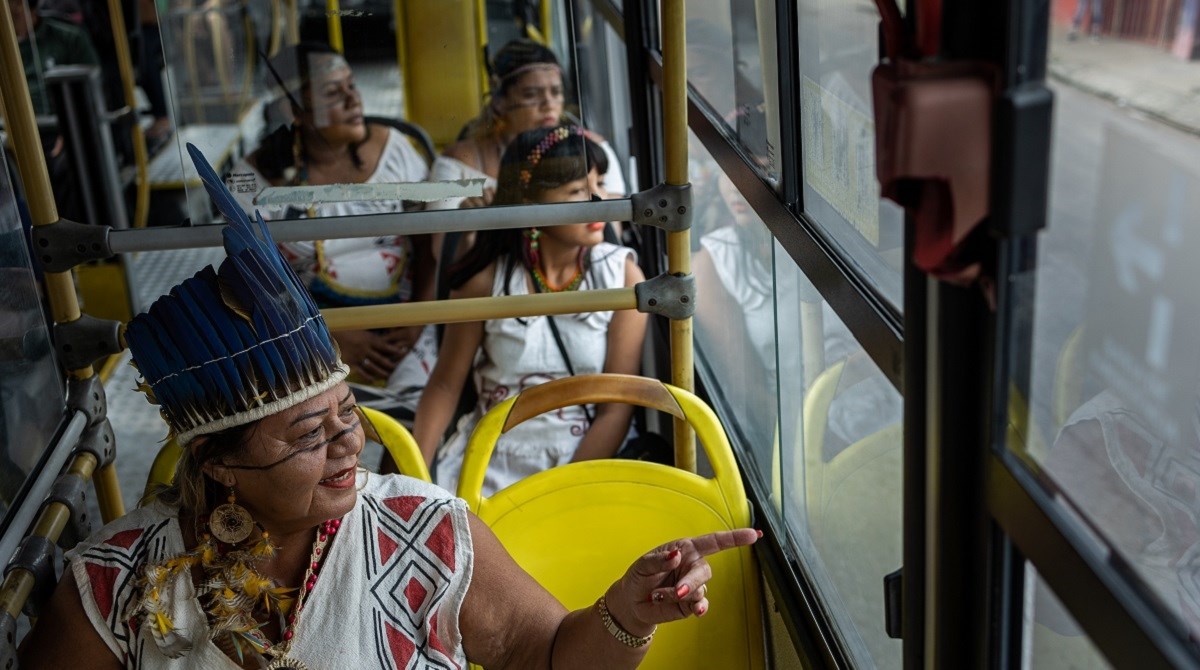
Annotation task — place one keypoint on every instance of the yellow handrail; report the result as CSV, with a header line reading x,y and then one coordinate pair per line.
x,y
679,245
333,14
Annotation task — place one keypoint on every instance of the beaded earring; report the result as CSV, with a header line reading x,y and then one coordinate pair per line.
x,y
532,257
231,523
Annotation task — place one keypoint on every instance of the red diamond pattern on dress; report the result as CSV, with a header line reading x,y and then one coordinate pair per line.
x,y
125,538
441,542
402,648
415,592
404,505
102,578
435,640
387,546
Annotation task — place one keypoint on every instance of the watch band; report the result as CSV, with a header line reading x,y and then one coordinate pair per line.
x,y
623,636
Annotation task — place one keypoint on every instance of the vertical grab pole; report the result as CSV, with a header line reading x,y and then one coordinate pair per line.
x,y
141,208
60,289
679,244
333,14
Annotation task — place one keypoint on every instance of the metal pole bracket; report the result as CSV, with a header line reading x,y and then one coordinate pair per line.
x,y
69,490
36,555
64,244
665,206
87,396
85,340
672,296
99,441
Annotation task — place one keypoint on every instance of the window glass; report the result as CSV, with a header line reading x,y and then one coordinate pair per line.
x,y
1115,375
838,49
731,63
1053,639
31,389
819,424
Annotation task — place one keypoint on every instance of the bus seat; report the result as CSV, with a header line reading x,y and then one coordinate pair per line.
x,y
616,510
378,427
386,430
415,133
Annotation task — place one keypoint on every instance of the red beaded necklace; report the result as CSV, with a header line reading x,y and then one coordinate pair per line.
x,y
279,653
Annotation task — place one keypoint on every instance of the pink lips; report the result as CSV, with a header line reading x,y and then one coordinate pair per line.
x,y
333,481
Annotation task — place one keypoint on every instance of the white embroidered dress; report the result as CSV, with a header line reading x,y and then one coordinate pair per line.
x,y
519,353
388,594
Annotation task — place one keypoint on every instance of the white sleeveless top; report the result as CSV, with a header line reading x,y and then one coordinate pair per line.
x,y
354,271
388,596
519,353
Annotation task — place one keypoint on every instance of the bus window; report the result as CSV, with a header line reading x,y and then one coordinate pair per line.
x,y
1114,390
1053,638
732,64
31,387
838,49
819,425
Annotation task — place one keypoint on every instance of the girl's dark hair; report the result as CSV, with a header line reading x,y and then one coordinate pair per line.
x,y
596,158
290,70
537,161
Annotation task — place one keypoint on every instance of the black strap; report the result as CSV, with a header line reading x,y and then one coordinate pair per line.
x,y
562,349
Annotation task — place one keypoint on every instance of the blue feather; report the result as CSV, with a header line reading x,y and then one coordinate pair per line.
x,y
234,331
204,347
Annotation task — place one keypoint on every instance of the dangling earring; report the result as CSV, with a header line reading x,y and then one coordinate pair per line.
x,y
231,523
531,247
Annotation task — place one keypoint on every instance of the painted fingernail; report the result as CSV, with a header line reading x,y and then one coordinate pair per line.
x,y
674,553
759,533
701,611
682,590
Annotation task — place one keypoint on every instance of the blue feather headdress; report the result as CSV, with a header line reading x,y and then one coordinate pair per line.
x,y
235,344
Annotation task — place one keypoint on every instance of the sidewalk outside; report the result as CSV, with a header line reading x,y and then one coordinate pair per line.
x,y
1140,76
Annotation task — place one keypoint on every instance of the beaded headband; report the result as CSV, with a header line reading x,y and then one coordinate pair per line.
x,y
237,343
535,155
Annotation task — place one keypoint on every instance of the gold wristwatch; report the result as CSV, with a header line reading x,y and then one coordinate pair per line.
x,y
623,636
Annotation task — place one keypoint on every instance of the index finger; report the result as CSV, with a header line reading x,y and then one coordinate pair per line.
x,y
707,545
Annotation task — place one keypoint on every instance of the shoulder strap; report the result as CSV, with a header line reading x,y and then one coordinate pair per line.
x,y
562,349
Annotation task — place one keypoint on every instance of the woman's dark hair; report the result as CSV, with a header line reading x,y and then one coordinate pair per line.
x,y
503,71
290,70
537,161
192,490
512,58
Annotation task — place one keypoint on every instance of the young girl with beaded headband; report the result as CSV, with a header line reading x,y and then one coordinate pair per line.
x,y
509,355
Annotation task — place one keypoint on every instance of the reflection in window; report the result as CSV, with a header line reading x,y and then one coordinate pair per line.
x,y
838,49
1115,382
819,423
31,391
731,63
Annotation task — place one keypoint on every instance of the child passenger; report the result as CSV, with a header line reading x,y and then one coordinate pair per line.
x,y
506,356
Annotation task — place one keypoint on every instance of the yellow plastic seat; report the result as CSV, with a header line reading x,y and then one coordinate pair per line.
x,y
378,427
577,527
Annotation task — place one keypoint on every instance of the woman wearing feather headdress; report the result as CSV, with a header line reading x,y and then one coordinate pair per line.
x,y
273,549
329,142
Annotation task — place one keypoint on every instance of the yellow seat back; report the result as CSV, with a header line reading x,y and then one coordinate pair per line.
x,y
378,427
577,527
399,443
